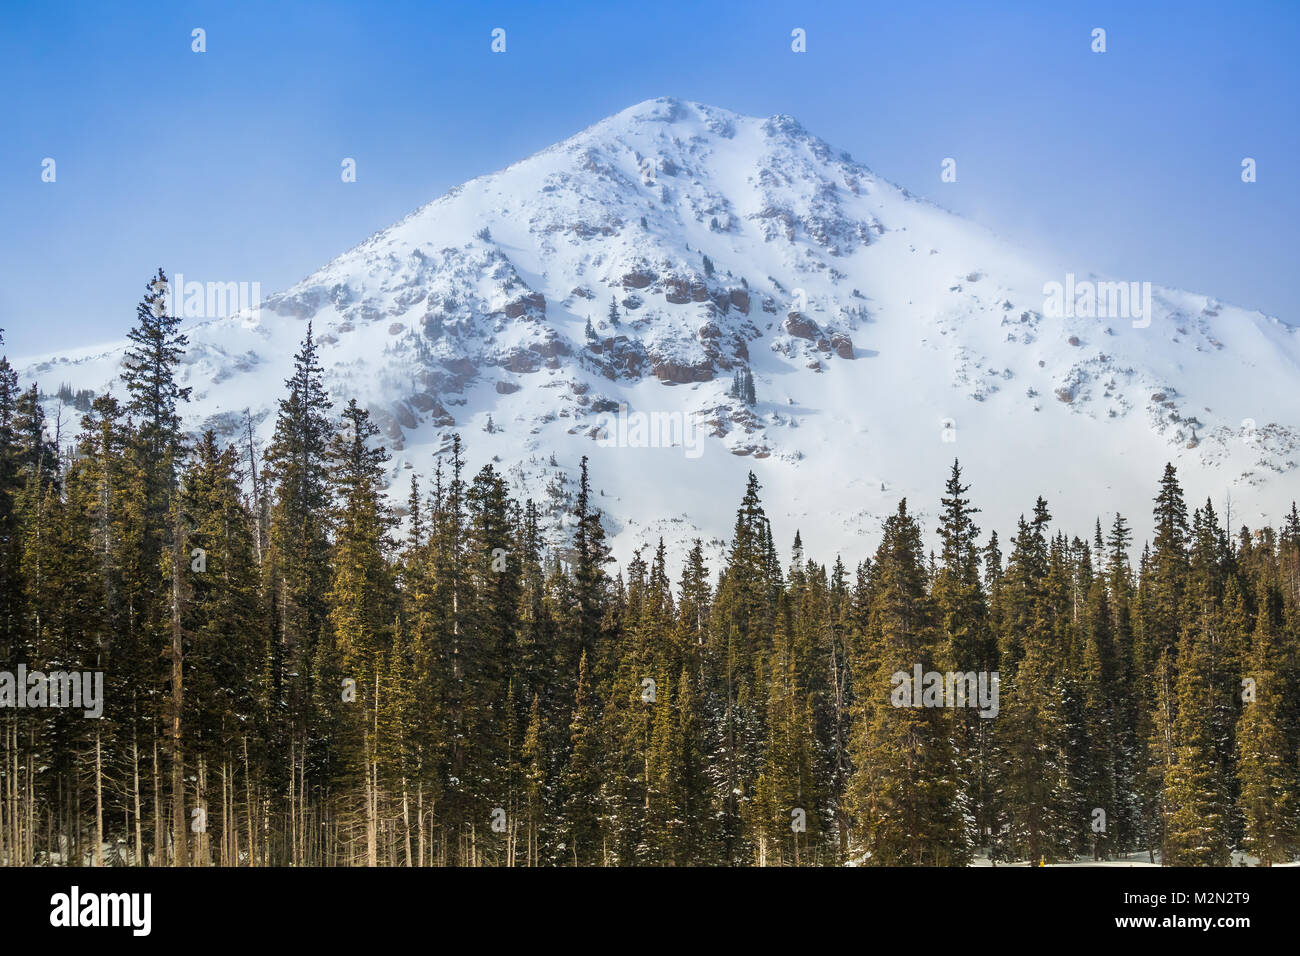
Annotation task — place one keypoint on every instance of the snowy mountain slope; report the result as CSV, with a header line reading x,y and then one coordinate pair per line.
x,y
885,335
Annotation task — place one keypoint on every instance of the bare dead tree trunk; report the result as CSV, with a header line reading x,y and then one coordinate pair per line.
x,y
293,804
372,784
99,802
419,817
406,820
135,791
157,809
201,840
248,800
180,841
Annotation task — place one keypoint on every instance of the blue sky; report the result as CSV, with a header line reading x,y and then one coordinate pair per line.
x,y
225,165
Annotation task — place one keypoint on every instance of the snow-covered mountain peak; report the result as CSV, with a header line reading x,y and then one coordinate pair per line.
x,y
884,336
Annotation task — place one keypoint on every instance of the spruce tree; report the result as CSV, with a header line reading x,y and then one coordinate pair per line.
x,y
225,635
1270,782
358,639
297,473
915,817
969,643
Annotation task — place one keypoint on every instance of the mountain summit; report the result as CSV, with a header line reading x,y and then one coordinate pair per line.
x,y
604,296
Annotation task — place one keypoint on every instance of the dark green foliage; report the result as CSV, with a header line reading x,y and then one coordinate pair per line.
x,y
491,690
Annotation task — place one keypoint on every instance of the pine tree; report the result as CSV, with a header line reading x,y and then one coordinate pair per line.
x,y
1270,782
276,664
1099,696
1195,796
742,618
1169,565
591,553
149,372
361,612
487,639
10,483
912,818
581,784
226,640
149,369
788,806
297,473
1037,810
969,644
